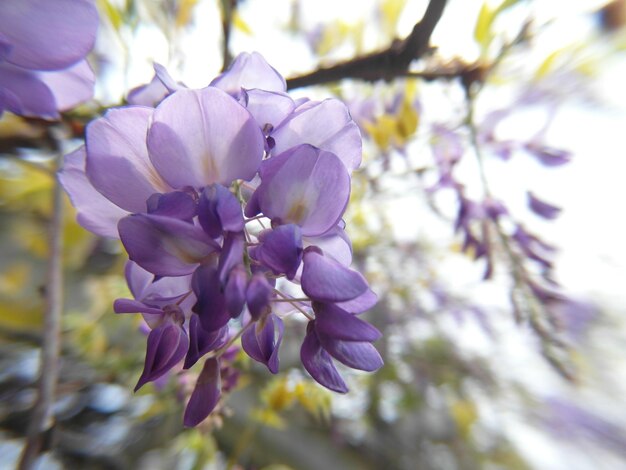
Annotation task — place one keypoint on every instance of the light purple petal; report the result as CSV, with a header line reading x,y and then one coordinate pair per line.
x,y
326,125
95,212
149,95
205,395
71,86
268,108
548,156
358,355
24,93
333,243
163,245
117,158
250,70
336,323
48,35
310,188
319,364
327,280
200,137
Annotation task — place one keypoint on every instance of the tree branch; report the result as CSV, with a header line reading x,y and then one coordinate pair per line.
x,y
42,418
383,65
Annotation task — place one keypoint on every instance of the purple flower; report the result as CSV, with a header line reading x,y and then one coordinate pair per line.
x,y
167,346
304,186
338,334
183,184
205,395
325,124
262,340
542,208
42,49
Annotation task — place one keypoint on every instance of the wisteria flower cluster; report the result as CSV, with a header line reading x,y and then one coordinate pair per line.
x,y
43,45
229,202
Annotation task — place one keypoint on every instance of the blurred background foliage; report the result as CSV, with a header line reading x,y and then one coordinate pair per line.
x,y
464,385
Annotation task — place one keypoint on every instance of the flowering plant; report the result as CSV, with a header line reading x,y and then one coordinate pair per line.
x,y
229,202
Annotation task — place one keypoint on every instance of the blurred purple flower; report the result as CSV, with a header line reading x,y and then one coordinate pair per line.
x,y
43,45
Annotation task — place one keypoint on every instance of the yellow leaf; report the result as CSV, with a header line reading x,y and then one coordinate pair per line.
x,y
482,31
465,415
185,10
111,12
277,395
268,418
408,120
548,65
391,11
240,24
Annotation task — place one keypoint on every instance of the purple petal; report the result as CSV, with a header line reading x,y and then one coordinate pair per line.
x,y
23,92
177,204
202,342
258,295
336,323
231,255
358,355
70,87
48,35
281,249
134,306
326,125
307,187
167,345
117,158
250,70
211,305
262,341
319,364
200,137
235,291
326,280
164,246
95,212
219,211
205,395
542,208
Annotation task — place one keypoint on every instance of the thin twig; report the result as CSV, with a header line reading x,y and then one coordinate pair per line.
x,y
42,417
383,65
228,9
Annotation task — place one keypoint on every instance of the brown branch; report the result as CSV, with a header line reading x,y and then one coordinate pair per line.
x,y
383,65
42,418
